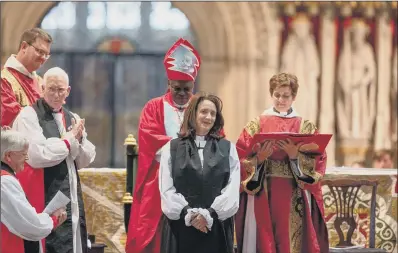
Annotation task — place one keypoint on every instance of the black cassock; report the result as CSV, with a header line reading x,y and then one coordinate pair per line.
x,y
200,186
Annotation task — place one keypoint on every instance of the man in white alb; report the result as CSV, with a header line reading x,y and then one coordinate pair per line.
x,y
59,147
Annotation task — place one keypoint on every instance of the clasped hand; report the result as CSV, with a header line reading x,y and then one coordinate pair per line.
x,y
199,222
77,129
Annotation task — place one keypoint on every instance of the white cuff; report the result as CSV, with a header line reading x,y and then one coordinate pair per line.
x,y
188,216
204,212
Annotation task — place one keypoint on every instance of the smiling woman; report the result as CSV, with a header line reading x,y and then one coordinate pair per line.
x,y
203,117
199,181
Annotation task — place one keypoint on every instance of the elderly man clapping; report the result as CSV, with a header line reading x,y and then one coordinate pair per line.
x,y
58,148
19,220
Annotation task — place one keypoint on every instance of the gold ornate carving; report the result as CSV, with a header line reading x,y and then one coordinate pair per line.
x,y
130,140
127,198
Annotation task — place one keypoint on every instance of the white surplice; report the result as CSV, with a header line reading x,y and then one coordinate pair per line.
x,y
173,118
172,203
18,215
49,152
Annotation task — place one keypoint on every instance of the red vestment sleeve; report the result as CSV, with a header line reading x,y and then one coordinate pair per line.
x,y
9,104
313,167
151,137
241,146
146,211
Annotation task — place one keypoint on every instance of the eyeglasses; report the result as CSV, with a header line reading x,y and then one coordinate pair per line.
x,y
284,97
179,89
20,154
40,52
60,91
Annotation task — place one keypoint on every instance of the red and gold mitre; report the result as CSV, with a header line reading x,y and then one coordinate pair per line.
x,y
182,61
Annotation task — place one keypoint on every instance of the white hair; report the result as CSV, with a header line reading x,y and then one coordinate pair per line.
x,y
12,140
55,72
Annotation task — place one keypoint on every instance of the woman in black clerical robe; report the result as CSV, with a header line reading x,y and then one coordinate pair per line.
x,y
199,182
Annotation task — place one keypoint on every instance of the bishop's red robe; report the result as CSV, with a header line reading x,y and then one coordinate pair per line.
x,y
288,212
144,230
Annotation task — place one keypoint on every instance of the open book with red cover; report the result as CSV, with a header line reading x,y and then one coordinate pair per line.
x,y
313,144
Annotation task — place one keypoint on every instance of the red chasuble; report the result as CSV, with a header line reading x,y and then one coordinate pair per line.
x,y
11,102
144,232
288,212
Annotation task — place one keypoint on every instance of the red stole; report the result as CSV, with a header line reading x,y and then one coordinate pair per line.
x,y
10,243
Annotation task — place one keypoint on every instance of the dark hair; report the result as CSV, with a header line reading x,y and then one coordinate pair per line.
x,y
188,126
30,36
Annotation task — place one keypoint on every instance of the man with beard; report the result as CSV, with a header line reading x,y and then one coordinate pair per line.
x,y
160,122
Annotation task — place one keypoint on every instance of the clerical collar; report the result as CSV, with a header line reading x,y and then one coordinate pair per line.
x,y
57,111
13,63
283,113
180,107
199,139
49,108
6,167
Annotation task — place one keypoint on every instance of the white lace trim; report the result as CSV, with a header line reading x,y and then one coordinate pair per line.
x,y
204,212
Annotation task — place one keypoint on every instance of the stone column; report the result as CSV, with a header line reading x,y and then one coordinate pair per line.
x,y
328,58
145,28
383,53
80,32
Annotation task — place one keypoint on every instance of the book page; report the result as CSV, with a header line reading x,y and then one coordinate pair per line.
x,y
59,200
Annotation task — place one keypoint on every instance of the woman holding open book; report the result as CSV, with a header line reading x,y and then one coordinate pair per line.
x,y
19,220
281,208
